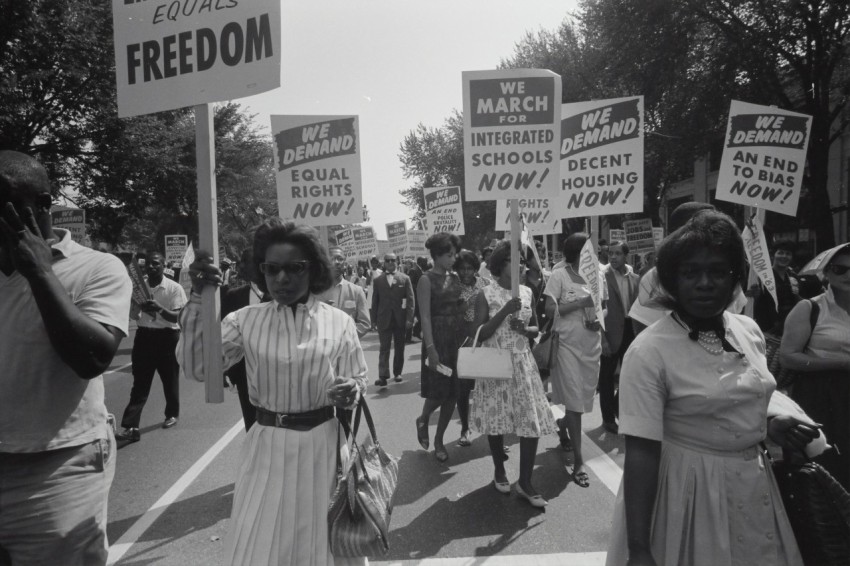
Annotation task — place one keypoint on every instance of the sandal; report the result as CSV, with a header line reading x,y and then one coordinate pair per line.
x,y
564,438
464,439
581,478
422,433
441,454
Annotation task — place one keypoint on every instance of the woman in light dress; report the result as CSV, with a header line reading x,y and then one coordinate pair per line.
x,y
576,372
517,405
302,358
694,393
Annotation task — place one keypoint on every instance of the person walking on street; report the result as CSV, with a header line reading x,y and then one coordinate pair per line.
x,y
345,295
62,317
153,350
770,316
622,283
392,311
415,273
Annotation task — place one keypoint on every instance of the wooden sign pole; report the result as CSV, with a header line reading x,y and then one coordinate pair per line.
x,y
208,232
516,228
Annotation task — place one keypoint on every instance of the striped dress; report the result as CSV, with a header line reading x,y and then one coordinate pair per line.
x,y
285,477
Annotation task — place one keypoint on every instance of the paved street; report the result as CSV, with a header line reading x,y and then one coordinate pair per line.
x,y
172,493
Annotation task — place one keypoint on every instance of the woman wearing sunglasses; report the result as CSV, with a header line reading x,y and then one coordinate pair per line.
x,y
821,354
303,358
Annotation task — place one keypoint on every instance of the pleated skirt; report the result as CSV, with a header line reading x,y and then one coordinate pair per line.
x,y
280,504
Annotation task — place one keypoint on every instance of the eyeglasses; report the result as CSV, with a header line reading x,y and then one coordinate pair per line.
x,y
715,274
291,268
838,269
390,260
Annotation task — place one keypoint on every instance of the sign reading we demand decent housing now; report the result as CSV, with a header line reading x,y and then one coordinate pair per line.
x,y
511,134
317,166
763,157
602,157
172,54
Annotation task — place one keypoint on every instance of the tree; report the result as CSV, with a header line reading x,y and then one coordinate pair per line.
x,y
433,157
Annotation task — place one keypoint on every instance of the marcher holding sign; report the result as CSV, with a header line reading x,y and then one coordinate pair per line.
x,y
570,303
511,133
317,166
602,157
444,210
764,156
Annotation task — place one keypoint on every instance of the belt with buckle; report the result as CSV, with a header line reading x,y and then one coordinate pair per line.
x,y
295,421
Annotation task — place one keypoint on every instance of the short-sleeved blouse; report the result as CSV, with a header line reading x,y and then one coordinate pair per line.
x,y
831,335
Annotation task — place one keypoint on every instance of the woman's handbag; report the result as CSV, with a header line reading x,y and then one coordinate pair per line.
x,y
362,504
475,362
818,508
546,350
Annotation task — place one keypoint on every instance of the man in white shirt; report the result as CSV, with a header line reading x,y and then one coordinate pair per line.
x,y
345,295
153,350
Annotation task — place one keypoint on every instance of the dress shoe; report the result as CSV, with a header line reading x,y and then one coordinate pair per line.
x,y
502,486
397,379
169,422
128,435
380,382
535,500
611,427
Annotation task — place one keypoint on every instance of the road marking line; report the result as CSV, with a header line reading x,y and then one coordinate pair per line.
x,y
116,370
123,544
571,558
596,459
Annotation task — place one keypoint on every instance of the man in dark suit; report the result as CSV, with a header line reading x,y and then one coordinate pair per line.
x,y
233,299
392,311
622,284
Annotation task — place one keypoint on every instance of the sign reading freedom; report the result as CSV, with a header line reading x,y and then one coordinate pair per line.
x,y
174,54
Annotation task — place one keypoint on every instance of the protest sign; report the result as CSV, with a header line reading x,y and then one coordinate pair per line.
x,y
602,157
397,236
657,235
616,235
639,235
589,270
175,248
184,278
71,219
174,54
511,133
538,213
141,290
755,244
416,243
443,210
764,155
383,247
317,167
345,240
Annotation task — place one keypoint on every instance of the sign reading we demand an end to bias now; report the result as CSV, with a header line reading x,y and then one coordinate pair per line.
x,y
175,53
444,210
511,134
764,155
602,157
317,166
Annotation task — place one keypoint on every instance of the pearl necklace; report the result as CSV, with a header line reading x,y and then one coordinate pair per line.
x,y
710,342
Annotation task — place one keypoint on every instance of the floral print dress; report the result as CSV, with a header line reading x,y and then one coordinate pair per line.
x,y
517,405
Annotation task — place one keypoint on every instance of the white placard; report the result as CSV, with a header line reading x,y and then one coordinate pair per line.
x,y
174,54
317,168
175,248
539,214
443,210
397,236
755,244
416,242
592,275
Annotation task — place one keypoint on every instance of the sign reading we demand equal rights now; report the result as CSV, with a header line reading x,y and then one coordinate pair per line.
x,y
317,167
172,54
601,157
763,157
444,210
511,134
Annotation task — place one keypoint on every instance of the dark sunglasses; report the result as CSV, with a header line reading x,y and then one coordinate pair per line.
x,y
291,268
838,269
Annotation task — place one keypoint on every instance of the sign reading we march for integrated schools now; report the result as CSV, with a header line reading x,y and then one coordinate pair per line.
x,y
175,248
174,54
764,155
444,210
511,134
540,216
317,167
601,157
397,236
358,242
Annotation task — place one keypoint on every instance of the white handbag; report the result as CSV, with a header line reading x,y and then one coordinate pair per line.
x,y
474,362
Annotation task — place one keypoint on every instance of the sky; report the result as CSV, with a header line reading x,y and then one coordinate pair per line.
x,y
395,64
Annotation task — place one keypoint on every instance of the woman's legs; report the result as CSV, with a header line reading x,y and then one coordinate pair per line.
x,y
573,421
527,455
463,411
428,407
447,409
497,452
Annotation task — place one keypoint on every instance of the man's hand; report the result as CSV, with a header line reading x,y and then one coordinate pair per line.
x,y
24,243
151,307
204,272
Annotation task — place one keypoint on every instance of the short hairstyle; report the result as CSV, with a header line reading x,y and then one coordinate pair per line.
x,y
684,212
441,243
487,250
620,244
466,257
573,245
422,262
22,177
500,257
786,245
711,230
603,242
276,231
